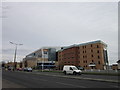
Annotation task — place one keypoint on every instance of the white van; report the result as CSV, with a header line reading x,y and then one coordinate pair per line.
x,y
69,69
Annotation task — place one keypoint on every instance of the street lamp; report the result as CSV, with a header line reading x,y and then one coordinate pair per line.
x,y
15,52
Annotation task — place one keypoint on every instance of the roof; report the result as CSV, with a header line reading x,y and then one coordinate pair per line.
x,y
92,42
57,48
76,45
118,61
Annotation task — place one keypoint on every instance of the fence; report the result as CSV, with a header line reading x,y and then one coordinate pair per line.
x,y
101,71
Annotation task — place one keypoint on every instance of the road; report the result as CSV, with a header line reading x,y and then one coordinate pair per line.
x,y
12,79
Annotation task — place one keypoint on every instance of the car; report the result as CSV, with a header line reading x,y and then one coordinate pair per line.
x,y
29,69
10,68
80,68
25,69
17,69
70,69
20,69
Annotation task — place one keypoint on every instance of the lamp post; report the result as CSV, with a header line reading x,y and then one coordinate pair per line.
x,y
15,52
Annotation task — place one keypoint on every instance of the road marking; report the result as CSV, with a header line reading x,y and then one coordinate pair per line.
x,y
115,86
40,79
70,85
77,77
84,78
61,83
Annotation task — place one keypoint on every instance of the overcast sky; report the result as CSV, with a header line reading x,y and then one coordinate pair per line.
x,y
36,25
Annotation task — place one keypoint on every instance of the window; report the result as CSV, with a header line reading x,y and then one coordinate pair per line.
x,y
71,68
92,61
98,62
97,51
91,50
83,47
34,54
98,57
91,45
83,56
91,55
97,46
83,51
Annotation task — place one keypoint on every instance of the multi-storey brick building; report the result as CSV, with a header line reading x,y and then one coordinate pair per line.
x,y
91,55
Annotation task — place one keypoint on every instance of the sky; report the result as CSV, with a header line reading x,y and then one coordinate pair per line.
x,y
39,24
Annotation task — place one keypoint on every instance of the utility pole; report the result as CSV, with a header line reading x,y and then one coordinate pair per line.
x,y
15,53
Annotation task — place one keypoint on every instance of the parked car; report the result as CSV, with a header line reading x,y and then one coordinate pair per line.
x,y
20,69
70,69
29,69
17,69
80,68
10,68
25,69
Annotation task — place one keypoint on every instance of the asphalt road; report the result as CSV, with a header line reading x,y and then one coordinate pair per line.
x,y
12,79
84,76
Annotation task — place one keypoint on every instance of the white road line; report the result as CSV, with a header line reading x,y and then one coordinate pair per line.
x,y
61,83
78,77
70,85
115,86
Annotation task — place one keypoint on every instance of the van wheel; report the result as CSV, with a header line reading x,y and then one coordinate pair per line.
x,y
64,72
74,73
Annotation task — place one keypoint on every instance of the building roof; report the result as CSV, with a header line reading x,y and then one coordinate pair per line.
x,y
92,42
57,48
118,61
82,44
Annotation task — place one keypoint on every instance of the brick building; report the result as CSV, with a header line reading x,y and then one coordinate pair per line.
x,y
91,55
